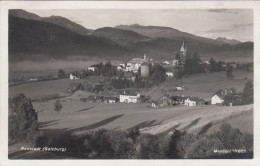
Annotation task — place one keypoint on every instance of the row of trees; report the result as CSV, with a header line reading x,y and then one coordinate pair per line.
x,y
194,65
188,66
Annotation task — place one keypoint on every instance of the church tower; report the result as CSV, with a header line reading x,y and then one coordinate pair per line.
x,y
183,50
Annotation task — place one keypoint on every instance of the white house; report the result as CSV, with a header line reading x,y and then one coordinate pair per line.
x,y
91,68
129,97
175,62
189,102
217,99
166,63
180,87
169,74
74,77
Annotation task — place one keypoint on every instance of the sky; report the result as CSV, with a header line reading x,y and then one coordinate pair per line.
x,y
230,23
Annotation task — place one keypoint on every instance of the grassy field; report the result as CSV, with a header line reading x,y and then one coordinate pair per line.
x,y
80,117
37,90
202,85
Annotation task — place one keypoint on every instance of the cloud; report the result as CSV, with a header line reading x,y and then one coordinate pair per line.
x,y
218,30
230,11
243,25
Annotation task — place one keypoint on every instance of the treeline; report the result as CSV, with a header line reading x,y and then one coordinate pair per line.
x,y
117,144
194,65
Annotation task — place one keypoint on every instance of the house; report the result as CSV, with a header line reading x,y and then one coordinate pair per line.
x,y
175,62
177,100
166,63
217,99
74,76
164,101
95,99
92,68
189,102
120,67
129,96
135,63
180,87
169,74
110,99
33,79
154,104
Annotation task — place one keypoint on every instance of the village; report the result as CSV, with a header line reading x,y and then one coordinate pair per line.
x,y
140,69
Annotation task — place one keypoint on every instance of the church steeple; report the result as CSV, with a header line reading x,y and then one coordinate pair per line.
x,y
183,49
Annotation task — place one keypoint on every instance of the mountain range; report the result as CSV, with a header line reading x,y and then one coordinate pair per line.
x,y
35,38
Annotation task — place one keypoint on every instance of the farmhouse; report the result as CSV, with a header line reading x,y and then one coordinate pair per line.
x,y
169,74
120,67
217,99
180,87
129,97
110,99
175,62
95,99
92,68
74,76
189,102
166,63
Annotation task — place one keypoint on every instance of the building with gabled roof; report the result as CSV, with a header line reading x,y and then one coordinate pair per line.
x,y
129,96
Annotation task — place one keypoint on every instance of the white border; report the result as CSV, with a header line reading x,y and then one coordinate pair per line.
x,y
4,6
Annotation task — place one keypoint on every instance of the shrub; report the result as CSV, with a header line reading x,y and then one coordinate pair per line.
x,y
150,147
231,138
23,120
204,148
57,106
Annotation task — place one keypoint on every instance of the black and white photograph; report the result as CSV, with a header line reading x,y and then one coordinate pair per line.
x,y
130,83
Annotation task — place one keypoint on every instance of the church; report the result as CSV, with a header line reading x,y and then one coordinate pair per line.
x,y
182,55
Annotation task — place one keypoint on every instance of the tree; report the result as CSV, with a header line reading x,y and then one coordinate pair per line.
x,y
196,64
23,120
212,65
179,72
248,93
229,71
57,106
61,73
158,74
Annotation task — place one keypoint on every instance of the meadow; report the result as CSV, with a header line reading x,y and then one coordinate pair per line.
x,y
80,117
202,85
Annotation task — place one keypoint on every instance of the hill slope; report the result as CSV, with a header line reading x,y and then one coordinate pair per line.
x,y
228,41
166,32
61,21
32,40
118,35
